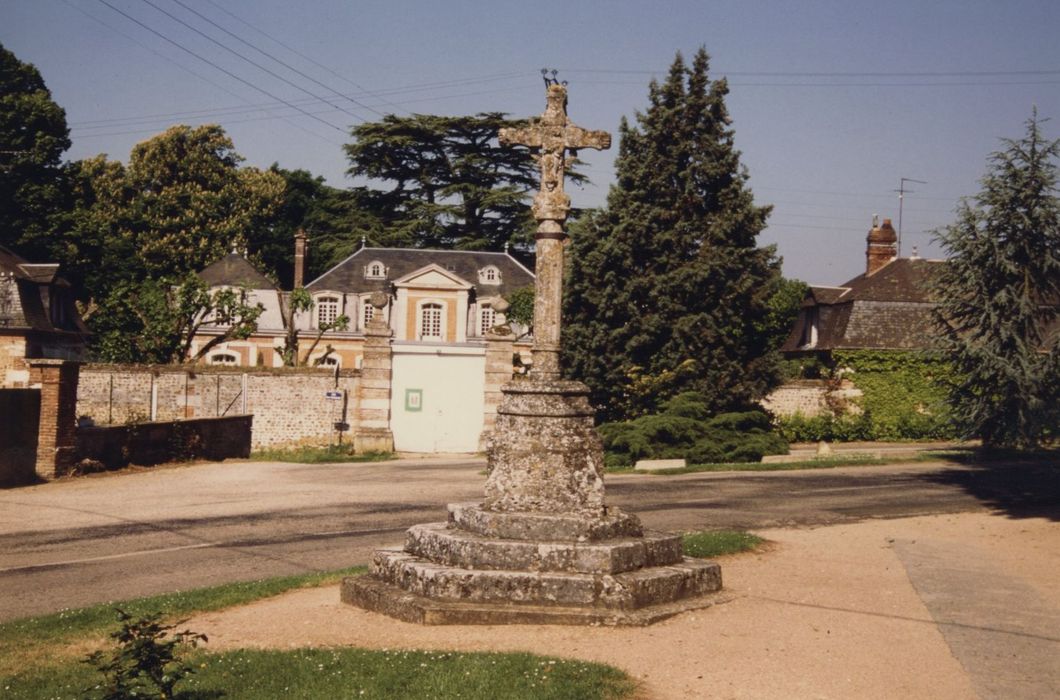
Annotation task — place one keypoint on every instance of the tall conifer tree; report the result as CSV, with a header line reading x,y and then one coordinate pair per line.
x,y
667,288
1000,297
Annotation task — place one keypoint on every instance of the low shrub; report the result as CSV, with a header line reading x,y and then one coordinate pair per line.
x,y
685,430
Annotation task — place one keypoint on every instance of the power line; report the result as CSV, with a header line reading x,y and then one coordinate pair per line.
x,y
253,63
186,69
225,111
835,74
301,55
223,70
277,60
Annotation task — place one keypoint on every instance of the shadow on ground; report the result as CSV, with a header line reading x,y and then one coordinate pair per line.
x,y
1018,486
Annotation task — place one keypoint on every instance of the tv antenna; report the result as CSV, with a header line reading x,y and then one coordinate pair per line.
x,y
901,199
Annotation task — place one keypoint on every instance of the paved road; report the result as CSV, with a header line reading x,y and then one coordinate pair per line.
x,y
82,541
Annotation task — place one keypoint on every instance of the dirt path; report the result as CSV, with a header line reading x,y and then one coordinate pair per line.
x,y
828,612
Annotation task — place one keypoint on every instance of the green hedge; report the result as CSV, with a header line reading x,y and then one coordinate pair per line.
x,y
903,398
685,429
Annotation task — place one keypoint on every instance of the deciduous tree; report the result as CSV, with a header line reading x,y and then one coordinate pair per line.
x,y
1000,297
33,137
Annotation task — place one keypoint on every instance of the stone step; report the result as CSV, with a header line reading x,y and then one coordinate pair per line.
x,y
627,591
442,544
370,593
548,527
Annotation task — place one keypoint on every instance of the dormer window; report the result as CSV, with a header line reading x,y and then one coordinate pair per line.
x,y
375,270
327,310
810,327
489,275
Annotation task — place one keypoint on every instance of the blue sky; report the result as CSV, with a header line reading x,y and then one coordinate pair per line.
x,y
832,102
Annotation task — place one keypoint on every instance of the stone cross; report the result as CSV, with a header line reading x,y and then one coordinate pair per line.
x,y
550,136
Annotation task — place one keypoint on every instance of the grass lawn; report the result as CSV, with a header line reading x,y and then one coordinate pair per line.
x,y
319,454
849,460
42,657
354,673
716,543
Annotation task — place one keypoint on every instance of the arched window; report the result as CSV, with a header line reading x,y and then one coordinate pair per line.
x,y
430,322
487,317
223,358
327,310
489,275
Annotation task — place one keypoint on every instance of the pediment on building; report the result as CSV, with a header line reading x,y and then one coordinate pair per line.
x,y
432,276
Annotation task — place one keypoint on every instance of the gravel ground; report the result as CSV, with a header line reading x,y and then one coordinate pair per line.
x,y
944,606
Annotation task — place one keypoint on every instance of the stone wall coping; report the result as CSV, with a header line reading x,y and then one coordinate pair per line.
x,y
217,369
51,362
200,419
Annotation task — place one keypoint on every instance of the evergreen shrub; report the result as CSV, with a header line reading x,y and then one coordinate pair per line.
x,y
684,429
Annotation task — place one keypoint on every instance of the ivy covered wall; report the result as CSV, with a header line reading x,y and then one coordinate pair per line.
x,y
903,397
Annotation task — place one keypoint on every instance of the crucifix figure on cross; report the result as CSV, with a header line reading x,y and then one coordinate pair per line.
x,y
550,136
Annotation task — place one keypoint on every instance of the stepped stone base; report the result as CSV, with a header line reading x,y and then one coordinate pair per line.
x,y
543,547
375,595
449,574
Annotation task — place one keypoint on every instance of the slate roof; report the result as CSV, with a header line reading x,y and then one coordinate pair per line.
x,y
891,309
26,291
233,270
349,275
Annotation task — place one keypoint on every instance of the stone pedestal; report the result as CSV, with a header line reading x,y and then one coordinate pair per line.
x,y
543,547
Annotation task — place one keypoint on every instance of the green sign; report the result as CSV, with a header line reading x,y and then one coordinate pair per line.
x,y
413,399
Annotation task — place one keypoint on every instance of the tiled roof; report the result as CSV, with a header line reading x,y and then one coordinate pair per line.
x,y
349,275
233,270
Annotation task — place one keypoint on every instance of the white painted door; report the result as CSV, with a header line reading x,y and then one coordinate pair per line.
x,y
437,398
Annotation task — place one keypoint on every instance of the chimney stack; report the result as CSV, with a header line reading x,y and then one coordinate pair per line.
x,y
299,258
882,248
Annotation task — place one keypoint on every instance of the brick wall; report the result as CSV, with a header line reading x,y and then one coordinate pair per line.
x,y
289,405
154,443
19,417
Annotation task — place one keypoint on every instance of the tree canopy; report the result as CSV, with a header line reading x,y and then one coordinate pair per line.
x,y
33,137
139,230
1000,297
450,184
667,290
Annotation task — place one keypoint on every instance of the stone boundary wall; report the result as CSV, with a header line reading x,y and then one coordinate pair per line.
x,y
290,405
146,444
19,421
807,397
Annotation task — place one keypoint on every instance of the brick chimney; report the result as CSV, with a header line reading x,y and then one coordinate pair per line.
x,y
882,247
299,258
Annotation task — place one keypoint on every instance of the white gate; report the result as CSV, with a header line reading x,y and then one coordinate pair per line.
x,y
436,401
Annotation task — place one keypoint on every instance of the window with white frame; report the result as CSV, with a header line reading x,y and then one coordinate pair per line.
x,y
367,312
223,358
327,310
489,275
430,325
375,270
487,317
